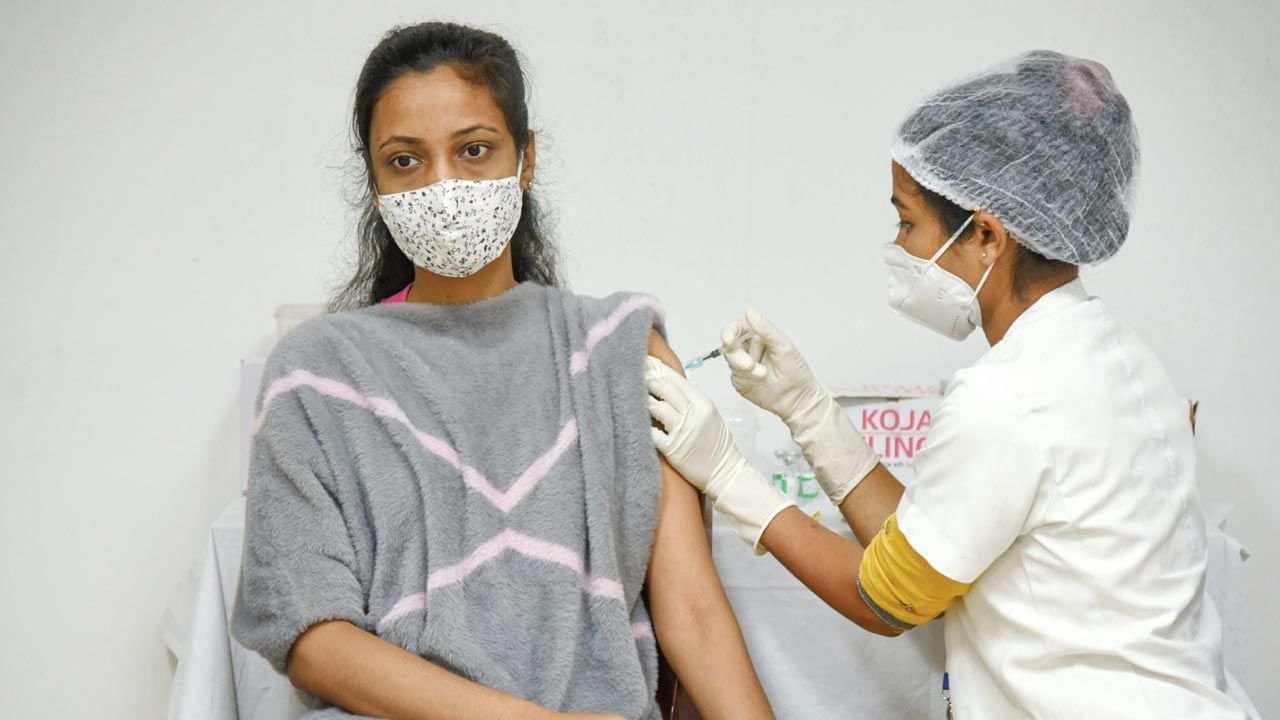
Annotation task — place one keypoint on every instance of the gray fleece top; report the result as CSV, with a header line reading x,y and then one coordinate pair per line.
x,y
475,483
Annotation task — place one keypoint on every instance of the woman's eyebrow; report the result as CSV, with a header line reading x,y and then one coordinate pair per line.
x,y
407,139
896,202
410,140
473,128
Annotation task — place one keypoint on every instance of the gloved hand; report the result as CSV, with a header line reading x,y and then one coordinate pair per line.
x,y
698,444
770,372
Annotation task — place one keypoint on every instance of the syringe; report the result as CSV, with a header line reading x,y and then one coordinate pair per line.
x,y
697,362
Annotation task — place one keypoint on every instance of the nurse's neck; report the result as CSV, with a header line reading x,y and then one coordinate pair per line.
x,y
1002,306
490,281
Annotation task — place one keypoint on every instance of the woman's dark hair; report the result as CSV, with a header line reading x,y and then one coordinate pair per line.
x,y
479,57
1029,267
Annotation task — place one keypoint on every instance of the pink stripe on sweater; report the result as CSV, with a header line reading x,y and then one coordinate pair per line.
x,y
478,557
603,329
539,469
506,540
641,630
387,408
604,587
406,605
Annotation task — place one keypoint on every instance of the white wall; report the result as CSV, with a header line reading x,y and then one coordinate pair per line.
x,y
173,173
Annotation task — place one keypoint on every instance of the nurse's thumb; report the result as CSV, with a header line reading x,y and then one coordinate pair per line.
x,y
767,331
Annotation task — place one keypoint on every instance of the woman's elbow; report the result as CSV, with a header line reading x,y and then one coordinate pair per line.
x,y
301,665
297,665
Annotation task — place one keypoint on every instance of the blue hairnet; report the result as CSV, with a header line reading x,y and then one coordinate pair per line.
x,y
1045,143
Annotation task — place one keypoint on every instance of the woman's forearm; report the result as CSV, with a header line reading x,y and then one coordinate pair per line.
x,y
365,674
692,618
702,642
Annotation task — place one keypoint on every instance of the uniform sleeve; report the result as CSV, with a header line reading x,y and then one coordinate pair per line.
x,y
976,477
299,564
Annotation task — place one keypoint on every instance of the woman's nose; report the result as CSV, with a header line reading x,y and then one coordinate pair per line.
x,y
438,169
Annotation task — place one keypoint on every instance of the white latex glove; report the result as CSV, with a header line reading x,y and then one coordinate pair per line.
x,y
698,444
770,372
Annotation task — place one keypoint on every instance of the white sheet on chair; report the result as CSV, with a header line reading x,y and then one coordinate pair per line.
x,y
217,678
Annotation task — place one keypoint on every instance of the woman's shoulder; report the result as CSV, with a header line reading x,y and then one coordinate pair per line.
x,y
614,305
621,325
318,338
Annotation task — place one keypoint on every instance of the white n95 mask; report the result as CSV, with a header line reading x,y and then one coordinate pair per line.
x,y
924,292
454,227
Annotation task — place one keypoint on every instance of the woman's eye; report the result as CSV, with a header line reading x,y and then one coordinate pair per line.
x,y
902,225
403,162
475,151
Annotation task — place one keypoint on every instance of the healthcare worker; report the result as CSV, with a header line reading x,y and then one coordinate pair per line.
x,y
1054,517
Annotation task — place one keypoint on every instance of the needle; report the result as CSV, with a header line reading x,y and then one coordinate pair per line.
x,y
698,361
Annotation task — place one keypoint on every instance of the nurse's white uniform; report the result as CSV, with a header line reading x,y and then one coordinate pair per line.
x,y
1060,478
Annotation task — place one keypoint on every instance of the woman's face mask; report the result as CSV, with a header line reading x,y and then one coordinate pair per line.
x,y
454,227
922,291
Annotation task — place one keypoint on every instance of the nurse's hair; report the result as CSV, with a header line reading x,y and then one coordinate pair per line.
x,y
485,59
1029,267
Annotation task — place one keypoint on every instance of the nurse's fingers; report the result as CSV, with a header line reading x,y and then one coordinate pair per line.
x,y
661,440
666,415
665,383
773,337
731,335
743,364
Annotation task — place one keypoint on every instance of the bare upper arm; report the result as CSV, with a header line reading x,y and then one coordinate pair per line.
x,y
680,546
659,348
672,482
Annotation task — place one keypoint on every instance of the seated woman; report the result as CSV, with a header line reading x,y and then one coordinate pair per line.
x,y
454,499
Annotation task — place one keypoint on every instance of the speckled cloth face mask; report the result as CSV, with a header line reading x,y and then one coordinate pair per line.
x,y
454,227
